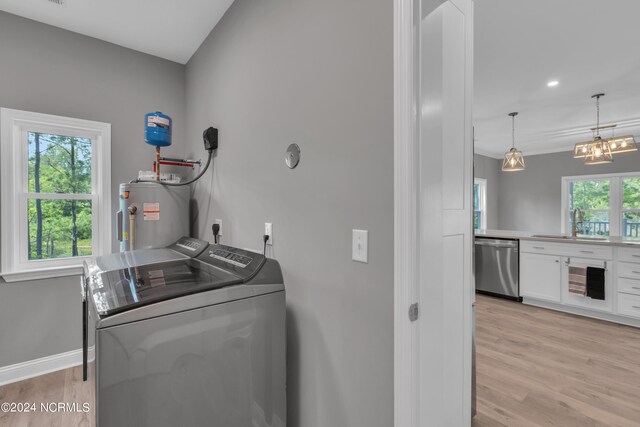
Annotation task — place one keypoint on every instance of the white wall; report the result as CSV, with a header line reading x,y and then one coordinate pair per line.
x,y
318,73
53,71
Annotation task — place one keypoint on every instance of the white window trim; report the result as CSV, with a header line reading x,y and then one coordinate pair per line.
x,y
482,182
615,199
13,156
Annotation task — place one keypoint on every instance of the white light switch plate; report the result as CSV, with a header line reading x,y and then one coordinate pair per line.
x,y
360,246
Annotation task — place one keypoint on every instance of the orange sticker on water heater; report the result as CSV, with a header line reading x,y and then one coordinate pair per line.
x,y
151,211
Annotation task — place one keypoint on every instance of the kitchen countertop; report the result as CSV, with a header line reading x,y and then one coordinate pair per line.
x,y
523,235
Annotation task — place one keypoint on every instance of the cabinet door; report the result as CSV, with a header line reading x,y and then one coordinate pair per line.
x,y
540,277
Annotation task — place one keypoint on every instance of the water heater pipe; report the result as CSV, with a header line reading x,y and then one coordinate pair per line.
x,y
173,159
191,181
158,164
132,222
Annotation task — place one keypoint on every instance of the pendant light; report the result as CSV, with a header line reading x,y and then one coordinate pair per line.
x,y
513,159
600,151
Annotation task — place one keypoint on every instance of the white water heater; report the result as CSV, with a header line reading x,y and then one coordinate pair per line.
x,y
151,215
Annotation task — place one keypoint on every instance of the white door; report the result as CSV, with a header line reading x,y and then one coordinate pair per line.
x,y
445,215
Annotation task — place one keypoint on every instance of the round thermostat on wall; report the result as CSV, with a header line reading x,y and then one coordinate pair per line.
x,y
292,157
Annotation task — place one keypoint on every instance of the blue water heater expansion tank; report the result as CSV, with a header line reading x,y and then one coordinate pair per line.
x,y
157,129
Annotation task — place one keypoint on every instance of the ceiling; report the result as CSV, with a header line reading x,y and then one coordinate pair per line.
x,y
169,29
589,46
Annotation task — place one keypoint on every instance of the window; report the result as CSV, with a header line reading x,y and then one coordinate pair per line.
x,y
630,206
480,204
56,183
592,197
610,204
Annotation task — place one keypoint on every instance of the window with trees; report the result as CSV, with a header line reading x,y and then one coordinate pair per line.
x,y
479,204
592,197
631,206
610,204
56,178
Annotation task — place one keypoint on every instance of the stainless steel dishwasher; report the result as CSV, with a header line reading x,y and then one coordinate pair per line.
x,y
497,267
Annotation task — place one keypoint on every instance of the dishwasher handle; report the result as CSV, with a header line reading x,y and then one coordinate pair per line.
x,y
512,245
85,328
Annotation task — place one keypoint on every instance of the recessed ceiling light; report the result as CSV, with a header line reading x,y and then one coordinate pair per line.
x,y
553,83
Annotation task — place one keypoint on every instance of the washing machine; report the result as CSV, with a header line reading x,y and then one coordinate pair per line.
x,y
189,335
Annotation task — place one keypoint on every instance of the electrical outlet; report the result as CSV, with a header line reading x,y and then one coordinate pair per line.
x,y
268,230
360,246
219,222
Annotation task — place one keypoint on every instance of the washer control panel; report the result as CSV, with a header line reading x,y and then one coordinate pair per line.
x,y
230,257
242,263
189,246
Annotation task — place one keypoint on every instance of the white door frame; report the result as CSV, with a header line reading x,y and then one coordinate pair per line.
x,y
407,18
406,265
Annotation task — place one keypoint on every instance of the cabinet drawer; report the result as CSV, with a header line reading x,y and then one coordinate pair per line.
x,y
629,286
629,305
589,251
629,254
535,247
629,270
567,249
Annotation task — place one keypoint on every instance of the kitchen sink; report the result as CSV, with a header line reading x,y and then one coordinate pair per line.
x,y
565,237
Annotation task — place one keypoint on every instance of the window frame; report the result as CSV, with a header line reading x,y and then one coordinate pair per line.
x,y
616,210
14,192
482,201
621,191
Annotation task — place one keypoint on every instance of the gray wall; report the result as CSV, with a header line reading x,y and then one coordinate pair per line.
x,y
319,74
531,200
53,71
489,168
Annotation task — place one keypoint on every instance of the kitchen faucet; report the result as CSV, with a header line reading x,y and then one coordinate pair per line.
x,y
574,230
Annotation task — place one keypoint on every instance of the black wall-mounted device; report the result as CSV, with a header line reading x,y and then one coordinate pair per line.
x,y
210,137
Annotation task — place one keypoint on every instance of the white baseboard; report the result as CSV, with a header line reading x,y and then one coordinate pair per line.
x,y
33,368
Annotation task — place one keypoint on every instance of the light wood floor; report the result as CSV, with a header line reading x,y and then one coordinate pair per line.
x,y
61,386
538,367
535,367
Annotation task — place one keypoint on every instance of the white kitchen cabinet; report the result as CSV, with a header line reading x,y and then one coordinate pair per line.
x,y
629,305
540,276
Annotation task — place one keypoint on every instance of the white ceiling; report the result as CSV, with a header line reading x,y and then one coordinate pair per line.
x,y
589,46
170,29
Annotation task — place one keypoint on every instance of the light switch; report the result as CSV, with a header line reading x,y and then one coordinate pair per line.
x,y
360,246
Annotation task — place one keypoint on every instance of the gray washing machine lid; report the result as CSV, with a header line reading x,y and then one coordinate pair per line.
x,y
128,259
128,288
